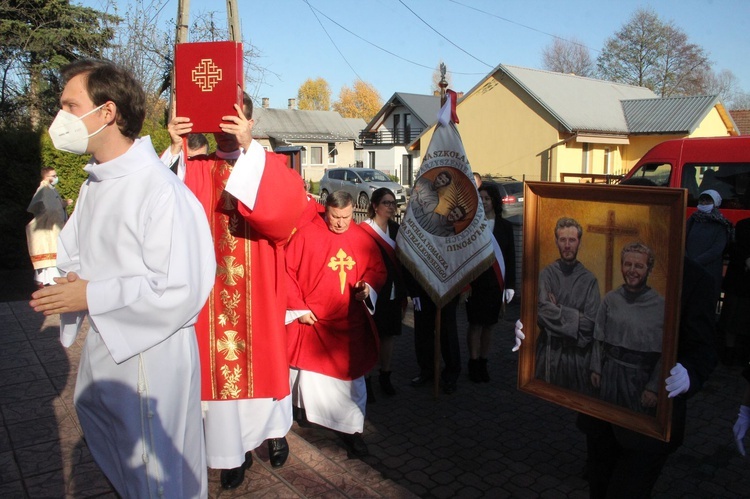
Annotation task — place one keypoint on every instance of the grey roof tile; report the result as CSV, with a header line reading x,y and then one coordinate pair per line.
x,y
667,115
295,124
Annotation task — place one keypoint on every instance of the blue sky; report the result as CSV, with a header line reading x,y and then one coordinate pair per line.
x,y
294,46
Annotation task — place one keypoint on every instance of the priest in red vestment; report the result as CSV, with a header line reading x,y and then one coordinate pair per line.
x,y
253,202
335,271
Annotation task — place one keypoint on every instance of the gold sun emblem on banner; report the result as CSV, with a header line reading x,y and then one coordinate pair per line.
x,y
206,75
343,264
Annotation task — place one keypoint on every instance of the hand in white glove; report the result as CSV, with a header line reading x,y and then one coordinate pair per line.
x,y
679,382
417,304
508,295
519,335
741,427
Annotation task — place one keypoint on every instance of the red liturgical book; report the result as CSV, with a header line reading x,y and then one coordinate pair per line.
x,y
208,82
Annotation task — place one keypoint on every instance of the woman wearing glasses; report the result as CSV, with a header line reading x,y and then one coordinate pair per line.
x,y
392,298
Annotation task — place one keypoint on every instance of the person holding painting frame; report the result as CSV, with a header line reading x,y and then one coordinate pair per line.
x,y
622,463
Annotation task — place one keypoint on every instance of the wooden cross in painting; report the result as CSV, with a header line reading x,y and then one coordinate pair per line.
x,y
610,230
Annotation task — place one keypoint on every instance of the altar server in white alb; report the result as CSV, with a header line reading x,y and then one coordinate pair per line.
x,y
140,263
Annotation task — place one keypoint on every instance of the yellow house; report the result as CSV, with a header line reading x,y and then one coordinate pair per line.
x,y
539,125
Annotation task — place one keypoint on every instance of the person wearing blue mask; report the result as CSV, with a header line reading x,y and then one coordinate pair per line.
x,y
707,236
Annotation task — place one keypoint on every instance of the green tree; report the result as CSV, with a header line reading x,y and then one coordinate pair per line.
x,y
362,101
655,54
314,95
37,37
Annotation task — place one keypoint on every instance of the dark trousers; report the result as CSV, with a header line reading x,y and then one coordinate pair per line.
x,y
424,338
615,471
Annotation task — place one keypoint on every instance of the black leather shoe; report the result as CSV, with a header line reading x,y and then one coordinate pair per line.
x,y
355,444
278,451
231,479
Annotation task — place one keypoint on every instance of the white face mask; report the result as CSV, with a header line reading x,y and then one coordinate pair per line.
x,y
705,208
54,181
69,133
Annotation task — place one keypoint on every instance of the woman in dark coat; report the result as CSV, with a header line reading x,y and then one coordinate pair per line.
x,y
487,295
708,234
391,304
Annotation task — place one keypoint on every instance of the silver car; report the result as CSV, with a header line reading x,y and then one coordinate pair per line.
x,y
360,183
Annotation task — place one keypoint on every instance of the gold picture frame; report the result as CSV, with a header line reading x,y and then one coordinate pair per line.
x,y
611,216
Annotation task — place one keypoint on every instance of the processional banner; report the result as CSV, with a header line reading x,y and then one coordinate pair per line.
x,y
444,239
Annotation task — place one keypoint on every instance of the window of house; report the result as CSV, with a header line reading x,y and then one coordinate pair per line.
x,y
407,128
316,155
303,156
332,152
371,155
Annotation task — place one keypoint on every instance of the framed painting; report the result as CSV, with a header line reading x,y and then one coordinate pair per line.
x,y
602,273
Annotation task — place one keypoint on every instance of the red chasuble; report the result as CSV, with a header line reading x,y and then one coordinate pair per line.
x,y
241,335
323,268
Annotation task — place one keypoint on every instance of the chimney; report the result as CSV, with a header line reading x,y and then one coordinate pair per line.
x,y
292,103
265,103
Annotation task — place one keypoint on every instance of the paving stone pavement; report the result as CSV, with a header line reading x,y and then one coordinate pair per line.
x,y
485,440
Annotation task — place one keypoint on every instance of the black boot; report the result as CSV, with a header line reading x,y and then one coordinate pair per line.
x,y
278,451
474,371
231,479
370,393
484,375
385,383
354,443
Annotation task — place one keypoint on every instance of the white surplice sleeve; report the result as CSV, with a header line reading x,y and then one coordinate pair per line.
x,y
244,181
68,260
168,159
135,312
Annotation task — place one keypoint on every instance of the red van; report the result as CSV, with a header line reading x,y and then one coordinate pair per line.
x,y
719,163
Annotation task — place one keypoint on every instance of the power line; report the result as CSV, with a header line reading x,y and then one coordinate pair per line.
x,y
381,48
334,43
522,25
443,36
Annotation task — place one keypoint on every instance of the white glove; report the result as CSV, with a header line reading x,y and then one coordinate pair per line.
x,y
679,382
741,426
519,335
508,295
417,304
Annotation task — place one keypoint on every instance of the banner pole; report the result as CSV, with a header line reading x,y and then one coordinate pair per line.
x,y
436,354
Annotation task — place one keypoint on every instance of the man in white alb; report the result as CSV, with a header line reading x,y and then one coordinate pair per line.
x,y
140,263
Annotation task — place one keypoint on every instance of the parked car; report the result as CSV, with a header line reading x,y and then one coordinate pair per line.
x,y
360,183
698,164
511,192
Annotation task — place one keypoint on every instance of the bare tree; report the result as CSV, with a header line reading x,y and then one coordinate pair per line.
x,y
568,56
651,53
726,85
144,43
741,101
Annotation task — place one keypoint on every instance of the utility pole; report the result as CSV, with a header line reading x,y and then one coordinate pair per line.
x,y
181,36
233,21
